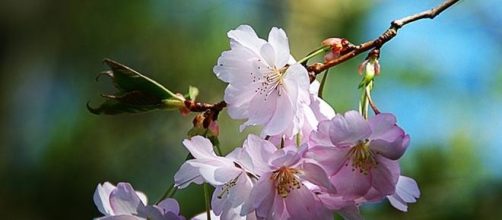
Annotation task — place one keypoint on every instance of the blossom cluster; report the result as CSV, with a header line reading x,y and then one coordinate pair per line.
x,y
308,161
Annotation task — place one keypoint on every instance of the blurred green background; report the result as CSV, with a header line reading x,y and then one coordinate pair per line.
x,y
441,78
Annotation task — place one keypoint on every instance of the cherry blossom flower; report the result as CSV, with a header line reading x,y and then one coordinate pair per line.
x,y
281,192
266,86
121,202
230,175
360,155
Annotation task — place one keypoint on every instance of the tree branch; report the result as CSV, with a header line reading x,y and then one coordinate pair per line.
x,y
390,33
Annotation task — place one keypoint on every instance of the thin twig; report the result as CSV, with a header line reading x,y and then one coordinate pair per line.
x,y
390,33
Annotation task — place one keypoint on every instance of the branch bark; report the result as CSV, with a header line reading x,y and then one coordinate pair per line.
x,y
386,36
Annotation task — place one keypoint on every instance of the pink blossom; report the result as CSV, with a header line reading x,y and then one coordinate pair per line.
x,y
266,86
121,202
230,175
360,155
281,191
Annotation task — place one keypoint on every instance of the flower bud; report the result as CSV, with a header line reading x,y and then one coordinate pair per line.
x,y
369,68
337,45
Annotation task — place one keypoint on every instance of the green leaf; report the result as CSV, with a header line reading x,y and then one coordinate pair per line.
x,y
136,93
127,79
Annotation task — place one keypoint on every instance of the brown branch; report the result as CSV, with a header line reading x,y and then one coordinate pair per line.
x,y
390,33
201,107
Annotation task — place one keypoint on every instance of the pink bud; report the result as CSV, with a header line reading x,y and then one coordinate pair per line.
x,y
214,128
337,45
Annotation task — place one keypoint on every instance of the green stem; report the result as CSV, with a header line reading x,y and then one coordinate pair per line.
x,y
323,82
169,192
207,200
315,53
218,149
364,102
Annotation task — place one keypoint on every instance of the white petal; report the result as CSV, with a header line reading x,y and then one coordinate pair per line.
x,y
102,198
261,109
245,35
186,175
278,39
235,66
200,147
268,53
282,117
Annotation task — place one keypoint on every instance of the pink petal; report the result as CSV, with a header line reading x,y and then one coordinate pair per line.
x,y
124,200
262,193
348,129
320,137
316,175
120,217
391,150
169,205
350,213
301,204
330,158
102,198
383,126
351,183
385,175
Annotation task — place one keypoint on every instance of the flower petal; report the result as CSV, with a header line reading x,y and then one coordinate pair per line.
x,y
330,158
102,198
383,126
244,35
262,195
316,175
348,129
392,150
186,175
278,39
268,53
351,183
385,175
124,200
200,147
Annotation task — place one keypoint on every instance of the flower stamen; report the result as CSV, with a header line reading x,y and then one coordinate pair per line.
x,y
285,180
363,159
227,186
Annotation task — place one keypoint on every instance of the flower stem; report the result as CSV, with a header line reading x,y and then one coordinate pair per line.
x,y
207,200
323,82
169,192
314,53
364,102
